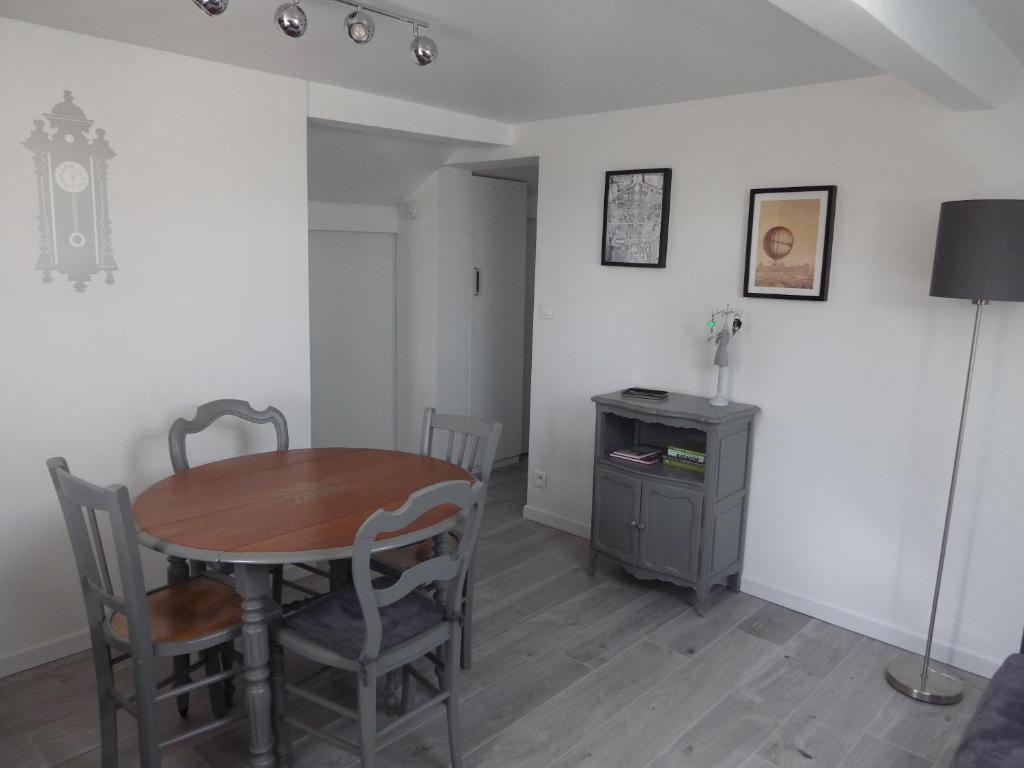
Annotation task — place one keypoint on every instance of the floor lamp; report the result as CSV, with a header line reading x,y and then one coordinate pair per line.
x,y
979,255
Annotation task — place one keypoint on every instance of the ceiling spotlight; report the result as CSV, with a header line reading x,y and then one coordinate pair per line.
x,y
424,50
291,19
359,25
212,7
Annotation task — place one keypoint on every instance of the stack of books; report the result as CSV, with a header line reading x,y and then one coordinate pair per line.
x,y
684,458
638,454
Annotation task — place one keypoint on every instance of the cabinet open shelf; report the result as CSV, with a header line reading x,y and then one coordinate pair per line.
x,y
659,470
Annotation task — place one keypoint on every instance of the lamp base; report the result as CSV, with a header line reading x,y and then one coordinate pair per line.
x,y
937,688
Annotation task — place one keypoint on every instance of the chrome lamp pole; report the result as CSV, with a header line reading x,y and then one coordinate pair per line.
x,y
979,252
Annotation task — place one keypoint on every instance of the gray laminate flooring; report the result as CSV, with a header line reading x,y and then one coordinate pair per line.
x,y
575,672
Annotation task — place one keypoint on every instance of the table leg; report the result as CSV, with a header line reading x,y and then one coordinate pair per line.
x,y
253,584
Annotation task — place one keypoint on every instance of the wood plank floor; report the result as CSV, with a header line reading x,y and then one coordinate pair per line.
x,y
575,672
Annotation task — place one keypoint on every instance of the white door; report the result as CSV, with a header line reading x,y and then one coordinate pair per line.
x,y
496,326
352,338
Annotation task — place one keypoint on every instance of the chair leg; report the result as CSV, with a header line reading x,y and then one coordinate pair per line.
x,y
177,572
406,689
108,710
368,715
276,587
391,692
341,574
278,707
451,677
227,662
181,677
218,702
145,706
467,622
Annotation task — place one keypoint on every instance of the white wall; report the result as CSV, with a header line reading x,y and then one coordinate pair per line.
x,y
860,395
416,288
350,217
208,212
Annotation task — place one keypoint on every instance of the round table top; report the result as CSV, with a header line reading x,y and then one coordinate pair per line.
x,y
286,506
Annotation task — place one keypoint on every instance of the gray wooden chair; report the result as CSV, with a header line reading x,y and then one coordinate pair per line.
x,y
201,615
470,443
374,628
179,569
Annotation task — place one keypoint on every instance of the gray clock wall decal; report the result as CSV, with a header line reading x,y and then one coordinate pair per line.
x,y
71,172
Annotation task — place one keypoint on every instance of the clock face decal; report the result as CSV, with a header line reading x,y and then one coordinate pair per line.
x,y
71,176
71,160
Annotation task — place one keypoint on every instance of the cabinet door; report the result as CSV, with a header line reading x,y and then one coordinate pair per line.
x,y
616,511
669,539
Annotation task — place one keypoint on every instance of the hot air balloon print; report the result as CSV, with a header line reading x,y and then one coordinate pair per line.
x,y
789,241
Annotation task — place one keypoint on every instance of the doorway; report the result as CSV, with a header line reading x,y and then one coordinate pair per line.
x,y
352,338
518,304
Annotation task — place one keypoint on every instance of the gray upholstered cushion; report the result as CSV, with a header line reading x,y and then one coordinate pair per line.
x,y
995,735
335,621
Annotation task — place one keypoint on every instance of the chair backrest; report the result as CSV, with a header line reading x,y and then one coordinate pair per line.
x,y
470,443
80,502
450,567
207,413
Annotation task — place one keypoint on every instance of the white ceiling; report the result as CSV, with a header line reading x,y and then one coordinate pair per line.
x,y
347,166
1006,19
511,61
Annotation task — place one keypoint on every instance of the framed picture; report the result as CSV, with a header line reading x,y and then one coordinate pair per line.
x,y
636,205
789,242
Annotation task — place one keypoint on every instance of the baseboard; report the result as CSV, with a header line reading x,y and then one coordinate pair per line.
x,y
44,652
865,625
511,461
566,524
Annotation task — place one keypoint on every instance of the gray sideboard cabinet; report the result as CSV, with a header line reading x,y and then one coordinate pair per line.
x,y
660,522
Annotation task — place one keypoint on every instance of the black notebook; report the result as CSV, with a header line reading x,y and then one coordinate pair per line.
x,y
645,394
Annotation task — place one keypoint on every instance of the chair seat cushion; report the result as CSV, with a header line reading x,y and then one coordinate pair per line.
x,y
995,735
335,621
187,611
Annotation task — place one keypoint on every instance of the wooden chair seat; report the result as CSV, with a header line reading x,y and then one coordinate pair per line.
x,y
187,611
403,558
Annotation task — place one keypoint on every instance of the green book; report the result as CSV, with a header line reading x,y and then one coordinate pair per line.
x,y
685,454
668,462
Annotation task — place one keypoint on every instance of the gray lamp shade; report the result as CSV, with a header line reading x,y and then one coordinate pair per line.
x,y
979,250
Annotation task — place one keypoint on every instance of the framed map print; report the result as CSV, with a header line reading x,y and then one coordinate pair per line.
x,y
636,206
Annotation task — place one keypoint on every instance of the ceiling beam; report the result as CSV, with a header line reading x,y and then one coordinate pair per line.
x,y
357,109
941,47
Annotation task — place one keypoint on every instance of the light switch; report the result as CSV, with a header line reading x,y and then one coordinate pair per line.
x,y
547,311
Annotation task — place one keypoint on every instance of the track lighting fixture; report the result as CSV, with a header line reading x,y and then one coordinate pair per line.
x,y
424,50
359,24
291,19
212,7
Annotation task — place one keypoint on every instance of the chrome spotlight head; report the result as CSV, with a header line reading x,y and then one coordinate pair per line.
x,y
212,7
359,25
291,19
424,50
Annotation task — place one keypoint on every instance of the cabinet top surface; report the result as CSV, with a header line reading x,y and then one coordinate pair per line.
x,y
680,406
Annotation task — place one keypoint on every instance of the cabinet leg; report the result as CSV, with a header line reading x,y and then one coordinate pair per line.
x,y
592,564
700,605
732,582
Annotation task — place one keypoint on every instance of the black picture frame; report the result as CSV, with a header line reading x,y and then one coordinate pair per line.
x,y
607,249
822,255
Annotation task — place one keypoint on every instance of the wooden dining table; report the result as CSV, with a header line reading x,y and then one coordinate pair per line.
x,y
263,510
